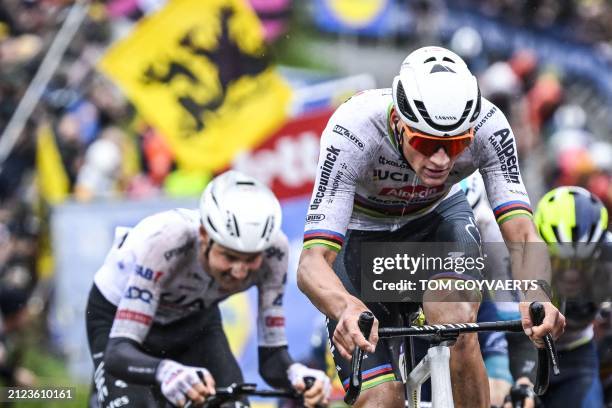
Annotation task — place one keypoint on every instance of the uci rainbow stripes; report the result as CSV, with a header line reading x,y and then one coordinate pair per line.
x,y
512,209
374,376
330,239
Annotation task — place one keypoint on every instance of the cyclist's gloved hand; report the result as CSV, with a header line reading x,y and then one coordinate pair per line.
x,y
522,395
318,393
554,323
179,382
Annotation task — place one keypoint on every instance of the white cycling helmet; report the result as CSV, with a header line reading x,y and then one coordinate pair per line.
x,y
239,212
436,93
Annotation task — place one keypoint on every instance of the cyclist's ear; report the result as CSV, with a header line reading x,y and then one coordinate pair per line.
x,y
393,116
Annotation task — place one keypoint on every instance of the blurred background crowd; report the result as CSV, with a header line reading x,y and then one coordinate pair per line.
x,y
546,64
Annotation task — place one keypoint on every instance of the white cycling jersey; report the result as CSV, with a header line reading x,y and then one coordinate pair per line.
x,y
483,214
152,274
364,183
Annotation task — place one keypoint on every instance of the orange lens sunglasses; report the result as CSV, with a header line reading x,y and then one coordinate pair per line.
x,y
429,145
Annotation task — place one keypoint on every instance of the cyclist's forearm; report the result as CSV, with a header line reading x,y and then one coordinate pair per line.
x,y
528,253
321,285
124,359
273,365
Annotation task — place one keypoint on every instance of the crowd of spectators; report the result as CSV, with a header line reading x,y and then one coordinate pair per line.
x,y
587,21
83,141
559,141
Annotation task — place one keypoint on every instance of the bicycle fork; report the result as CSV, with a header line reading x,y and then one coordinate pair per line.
x,y
435,365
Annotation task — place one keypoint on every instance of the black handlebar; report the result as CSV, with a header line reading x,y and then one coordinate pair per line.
x,y
235,391
546,355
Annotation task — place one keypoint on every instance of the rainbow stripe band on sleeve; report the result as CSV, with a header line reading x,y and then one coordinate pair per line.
x,y
512,209
330,239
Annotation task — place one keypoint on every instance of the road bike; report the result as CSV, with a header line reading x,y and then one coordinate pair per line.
x,y
435,364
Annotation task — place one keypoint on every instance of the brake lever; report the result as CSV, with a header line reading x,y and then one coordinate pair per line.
x,y
366,320
190,403
546,356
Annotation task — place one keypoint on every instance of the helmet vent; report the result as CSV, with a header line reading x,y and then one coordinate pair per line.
x,y
403,104
575,236
592,232
477,110
440,68
236,225
211,224
466,111
540,231
212,195
422,110
430,59
555,231
245,183
265,228
448,59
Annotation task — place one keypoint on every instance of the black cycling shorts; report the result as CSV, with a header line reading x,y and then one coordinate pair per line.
x,y
197,340
451,221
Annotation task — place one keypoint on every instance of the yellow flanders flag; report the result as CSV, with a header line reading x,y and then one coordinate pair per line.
x,y
53,183
198,71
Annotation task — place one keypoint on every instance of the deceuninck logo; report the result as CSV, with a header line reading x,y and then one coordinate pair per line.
x,y
326,170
